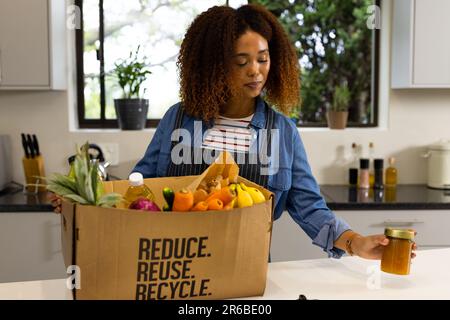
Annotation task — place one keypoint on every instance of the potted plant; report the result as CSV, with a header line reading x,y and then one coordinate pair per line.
x,y
131,109
337,114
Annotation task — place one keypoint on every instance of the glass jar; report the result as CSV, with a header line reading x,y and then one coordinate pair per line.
x,y
396,257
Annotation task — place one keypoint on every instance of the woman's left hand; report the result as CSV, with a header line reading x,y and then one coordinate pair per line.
x,y
371,247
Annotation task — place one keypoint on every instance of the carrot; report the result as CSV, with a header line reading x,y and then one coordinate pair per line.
x,y
200,195
201,206
230,205
183,201
213,195
215,204
225,195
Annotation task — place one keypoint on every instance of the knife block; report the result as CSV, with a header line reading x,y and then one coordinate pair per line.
x,y
33,169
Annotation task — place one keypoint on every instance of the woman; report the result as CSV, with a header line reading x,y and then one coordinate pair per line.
x,y
228,59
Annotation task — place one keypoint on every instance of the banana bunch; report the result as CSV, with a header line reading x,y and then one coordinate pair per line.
x,y
247,196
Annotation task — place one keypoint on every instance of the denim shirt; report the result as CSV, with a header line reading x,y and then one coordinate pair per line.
x,y
294,187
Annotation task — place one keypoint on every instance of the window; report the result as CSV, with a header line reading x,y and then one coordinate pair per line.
x,y
332,39
110,29
337,43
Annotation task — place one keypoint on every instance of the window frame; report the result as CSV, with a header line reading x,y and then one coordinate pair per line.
x,y
375,85
103,123
83,122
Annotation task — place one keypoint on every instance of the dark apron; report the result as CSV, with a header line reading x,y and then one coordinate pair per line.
x,y
249,171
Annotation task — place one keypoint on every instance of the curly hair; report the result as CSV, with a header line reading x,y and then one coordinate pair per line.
x,y
206,54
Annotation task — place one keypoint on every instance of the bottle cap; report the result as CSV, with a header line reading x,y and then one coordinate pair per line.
x,y
136,179
378,164
364,163
353,176
391,161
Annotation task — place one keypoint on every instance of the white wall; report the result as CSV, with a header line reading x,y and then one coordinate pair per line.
x,y
416,118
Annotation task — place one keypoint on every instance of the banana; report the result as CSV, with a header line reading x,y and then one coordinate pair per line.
x,y
243,186
256,194
243,198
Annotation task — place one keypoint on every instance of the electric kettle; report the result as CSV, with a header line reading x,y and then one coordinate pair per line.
x,y
438,157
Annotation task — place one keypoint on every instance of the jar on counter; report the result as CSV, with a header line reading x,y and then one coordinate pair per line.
x,y
396,257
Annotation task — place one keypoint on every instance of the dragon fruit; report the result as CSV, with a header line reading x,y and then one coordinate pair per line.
x,y
144,204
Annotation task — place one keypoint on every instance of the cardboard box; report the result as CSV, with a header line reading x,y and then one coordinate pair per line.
x,y
131,254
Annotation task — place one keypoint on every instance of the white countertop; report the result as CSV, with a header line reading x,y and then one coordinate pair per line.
x,y
346,278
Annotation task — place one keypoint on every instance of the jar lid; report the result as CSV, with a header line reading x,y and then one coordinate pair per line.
x,y
441,145
407,234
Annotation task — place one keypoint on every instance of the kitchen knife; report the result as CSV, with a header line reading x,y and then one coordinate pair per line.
x,y
36,145
30,145
25,145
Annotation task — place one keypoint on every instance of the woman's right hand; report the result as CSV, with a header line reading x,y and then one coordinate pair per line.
x,y
56,202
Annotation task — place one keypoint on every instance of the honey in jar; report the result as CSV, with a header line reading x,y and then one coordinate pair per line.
x,y
396,257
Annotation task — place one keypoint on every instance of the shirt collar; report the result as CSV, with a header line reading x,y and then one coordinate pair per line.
x,y
259,118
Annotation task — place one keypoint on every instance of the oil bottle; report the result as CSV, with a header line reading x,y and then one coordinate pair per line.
x,y
391,174
137,189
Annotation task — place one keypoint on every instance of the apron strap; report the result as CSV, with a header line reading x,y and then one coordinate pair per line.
x,y
178,123
172,169
252,171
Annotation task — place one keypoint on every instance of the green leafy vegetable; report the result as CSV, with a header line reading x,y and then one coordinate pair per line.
x,y
84,184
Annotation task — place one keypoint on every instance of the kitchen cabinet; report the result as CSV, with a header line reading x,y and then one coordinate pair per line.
x,y
33,45
30,246
420,45
289,242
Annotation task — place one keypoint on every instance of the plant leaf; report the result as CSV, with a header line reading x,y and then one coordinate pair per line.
x,y
109,200
100,190
64,181
76,198
94,177
59,190
81,173
89,188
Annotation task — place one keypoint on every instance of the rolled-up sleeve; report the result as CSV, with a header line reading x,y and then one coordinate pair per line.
x,y
307,207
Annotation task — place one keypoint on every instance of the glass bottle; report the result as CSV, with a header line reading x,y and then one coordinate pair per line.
x,y
378,171
137,189
353,169
391,174
353,177
364,174
371,171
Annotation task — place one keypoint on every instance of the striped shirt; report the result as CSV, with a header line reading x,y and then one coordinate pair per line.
x,y
227,134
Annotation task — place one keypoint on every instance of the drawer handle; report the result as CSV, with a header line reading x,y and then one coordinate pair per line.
x,y
393,222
